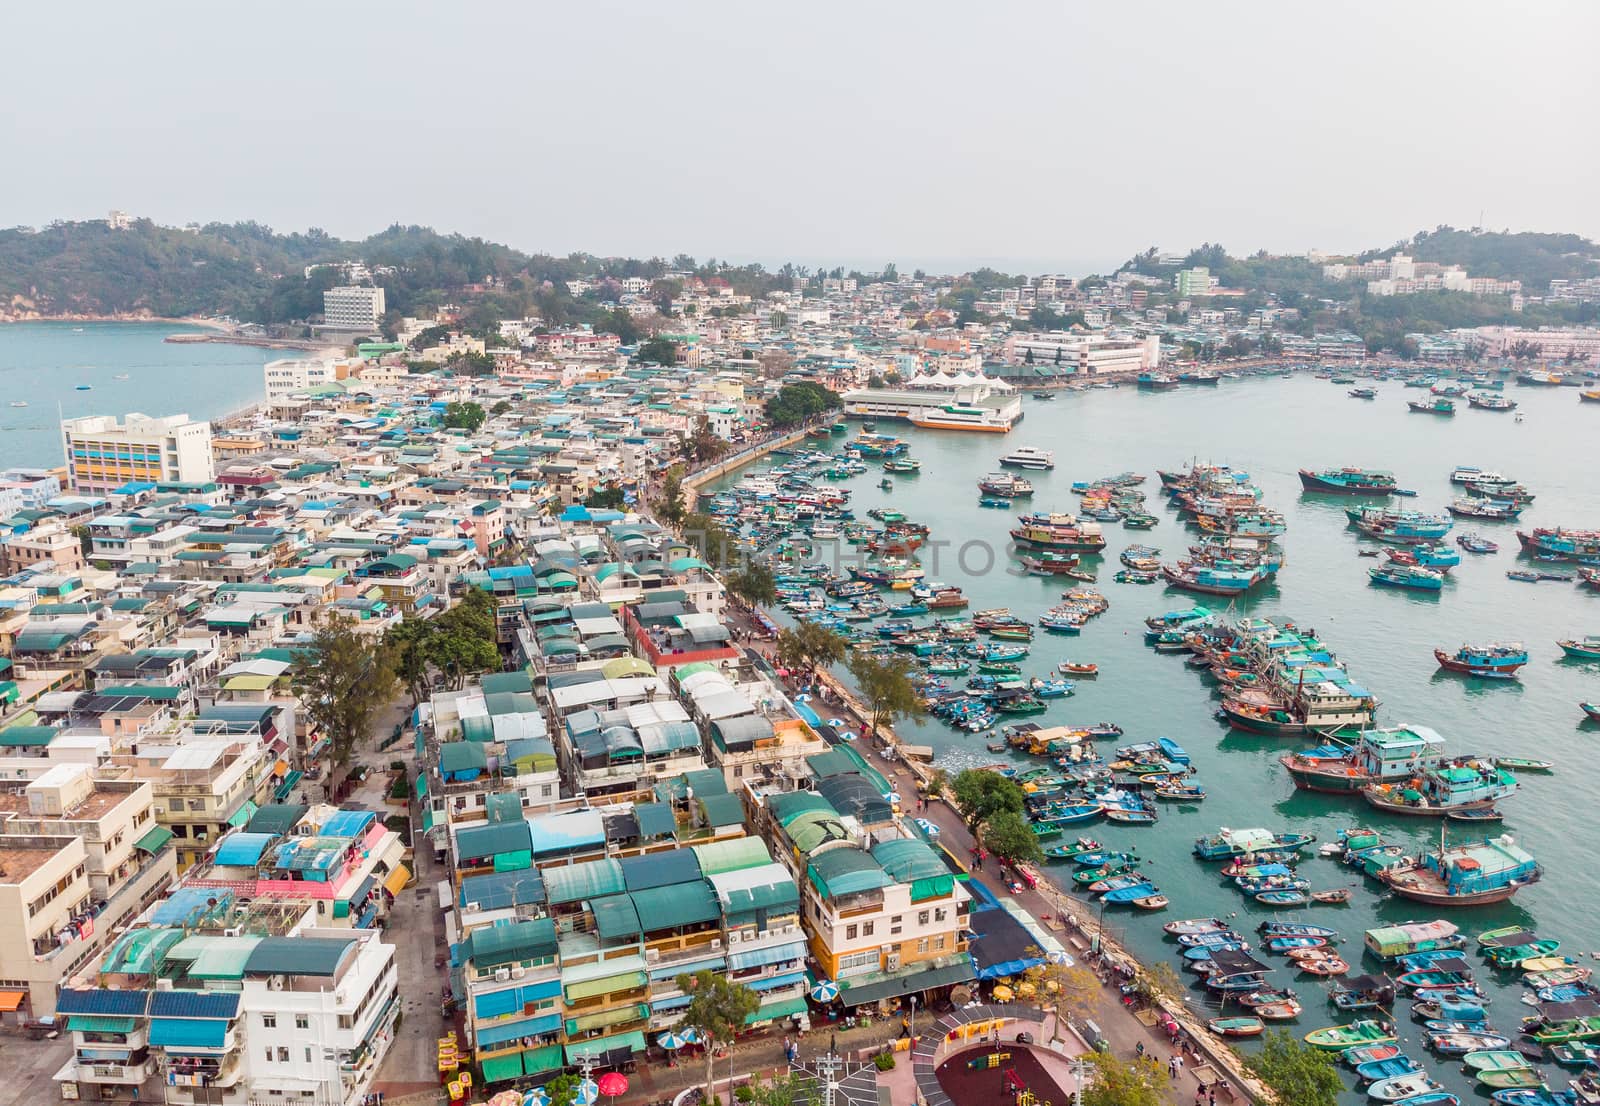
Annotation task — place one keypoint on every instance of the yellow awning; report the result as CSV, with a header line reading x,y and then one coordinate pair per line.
x,y
281,768
397,879
10,1001
249,681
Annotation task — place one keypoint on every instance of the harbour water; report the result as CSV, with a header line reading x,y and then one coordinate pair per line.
x,y
1271,428
42,365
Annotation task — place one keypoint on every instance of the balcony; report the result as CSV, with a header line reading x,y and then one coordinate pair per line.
x,y
132,1073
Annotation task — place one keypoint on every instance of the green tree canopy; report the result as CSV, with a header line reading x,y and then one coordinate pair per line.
x,y
885,687
754,583
796,403
343,680
807,645
463,416
718,1007
658,351
1118,1082
1008,836
1296,1072
981,795
669,505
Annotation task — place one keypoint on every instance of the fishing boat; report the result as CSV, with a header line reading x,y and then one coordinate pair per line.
x,y
1061,533
1180,792
1228,843
1156,381
1362,393
1512,956
1438,405
1366,1054
1461,1042
1490,401
1072,668
994,501
1476,543
1464,875
1050,564
1408,938
1375,1070
1480,815
1592,710
1523,576
1043,396
1523,764
1403,1087
19,403
1586,648
1336,1038
1348,481
1379,756
1186,926
1494,510
1237,1027
902,465
1561,543
1334,897
1406,576
1495,1059
1461,783
1517,1077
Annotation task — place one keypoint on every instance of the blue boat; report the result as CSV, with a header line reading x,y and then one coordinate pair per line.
x,y
1172,750
1374,1070
1406,576
1129,894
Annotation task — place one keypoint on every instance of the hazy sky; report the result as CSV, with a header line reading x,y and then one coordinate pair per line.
x,y
1047,136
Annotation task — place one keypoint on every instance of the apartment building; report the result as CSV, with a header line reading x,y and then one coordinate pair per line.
x,y
104,455
49,548
352,307
293,375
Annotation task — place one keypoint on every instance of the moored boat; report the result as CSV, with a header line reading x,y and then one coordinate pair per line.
x,y
1465,875
1348,481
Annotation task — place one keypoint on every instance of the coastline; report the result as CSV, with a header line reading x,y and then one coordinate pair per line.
x,y
8,317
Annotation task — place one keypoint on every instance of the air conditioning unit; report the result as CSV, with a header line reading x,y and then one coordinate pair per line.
x,y
518,972
233,931
652,956
275,983
716,942
891,962
502,975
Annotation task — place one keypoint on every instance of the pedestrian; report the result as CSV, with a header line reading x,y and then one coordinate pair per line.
x,y
1211,1095
1200,1096
1172,1067
1177,1062
905,1026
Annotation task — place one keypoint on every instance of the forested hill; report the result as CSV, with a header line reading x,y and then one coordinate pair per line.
x,y
250,272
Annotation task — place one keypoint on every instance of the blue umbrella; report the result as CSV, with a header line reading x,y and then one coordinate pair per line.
x,y
588,1093
825,991
536,1097
672,1041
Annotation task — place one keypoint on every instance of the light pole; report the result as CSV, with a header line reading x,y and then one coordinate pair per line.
x,y
912,1021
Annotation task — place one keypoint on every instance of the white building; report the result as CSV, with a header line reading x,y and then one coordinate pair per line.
x,y
291,375
103,454
1085,354
352,307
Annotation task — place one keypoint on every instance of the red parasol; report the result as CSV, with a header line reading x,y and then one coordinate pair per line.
x,y
613,1083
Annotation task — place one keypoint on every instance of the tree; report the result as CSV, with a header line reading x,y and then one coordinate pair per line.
x,y
807,646
500,408
85,541
1008,836
563,1089
717,1011
463,639
707,537
409,639
1159,981
1296,1072
779,1090
669,504
1118,1082
658,351
606,499
798,403
981,795
704,445
463,416
885,687
934,784
754,584
1028,357
342,680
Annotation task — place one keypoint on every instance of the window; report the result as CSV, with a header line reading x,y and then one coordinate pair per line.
x,y
940,914
283,1055
175,804
922,946
308,1054
269,1053
850,933
866,929
302,1021
938,943
857,963
269,1021
922,917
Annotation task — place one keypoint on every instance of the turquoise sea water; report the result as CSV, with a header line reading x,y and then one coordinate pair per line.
x,y
1271,428
42,364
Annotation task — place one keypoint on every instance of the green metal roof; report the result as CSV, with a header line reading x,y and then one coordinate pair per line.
x,y
590,880
491,946
731,856
723,810
99,1023
789,805
908,858
845,872
27,737
655,820
615,917
299,955
676,905
462,756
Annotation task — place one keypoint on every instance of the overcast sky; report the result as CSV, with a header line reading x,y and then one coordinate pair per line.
x,y
1042,136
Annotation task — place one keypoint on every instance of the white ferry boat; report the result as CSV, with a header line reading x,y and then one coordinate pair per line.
x,y
940,401
1029,457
